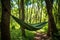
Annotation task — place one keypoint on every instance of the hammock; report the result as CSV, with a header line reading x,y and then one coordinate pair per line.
x,y
30,27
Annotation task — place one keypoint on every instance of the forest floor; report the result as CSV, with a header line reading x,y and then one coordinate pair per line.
x,y
41,36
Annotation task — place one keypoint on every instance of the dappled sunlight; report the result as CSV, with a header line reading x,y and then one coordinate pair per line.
x,y
29,20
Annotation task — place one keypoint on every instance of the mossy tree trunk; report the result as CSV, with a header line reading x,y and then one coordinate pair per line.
x,y
5,20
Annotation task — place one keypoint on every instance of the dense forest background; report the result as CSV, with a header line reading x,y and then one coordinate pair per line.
x,y
30,12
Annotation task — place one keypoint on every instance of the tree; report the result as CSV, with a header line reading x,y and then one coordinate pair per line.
x,y
51,24
22,16
59,11
0,13
5,20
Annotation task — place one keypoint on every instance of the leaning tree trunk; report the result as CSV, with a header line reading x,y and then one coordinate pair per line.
x,y
5,20
51,24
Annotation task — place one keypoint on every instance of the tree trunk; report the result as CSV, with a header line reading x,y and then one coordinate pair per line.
x,y
59,11
22,17
51,24
5,20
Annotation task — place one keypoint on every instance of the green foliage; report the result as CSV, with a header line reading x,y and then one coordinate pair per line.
x,y
27,2
17,35
27,26
30,16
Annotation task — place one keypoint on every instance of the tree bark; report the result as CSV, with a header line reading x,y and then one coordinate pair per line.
x,y
22,17
51,24
5,20
59,11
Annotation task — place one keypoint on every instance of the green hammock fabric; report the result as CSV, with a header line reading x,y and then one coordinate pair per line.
x,y
29,26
